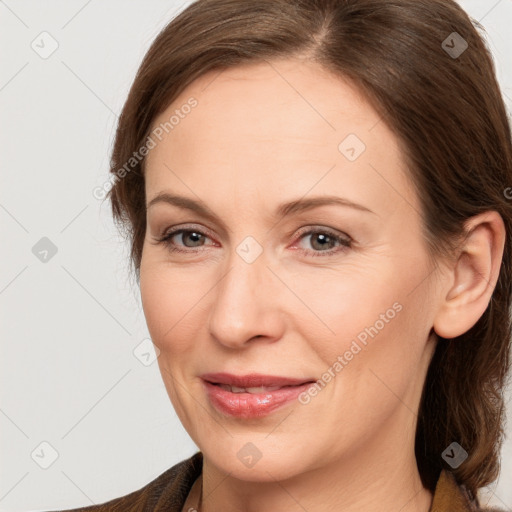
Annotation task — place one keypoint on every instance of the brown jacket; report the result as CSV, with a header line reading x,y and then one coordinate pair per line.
x,y
168,492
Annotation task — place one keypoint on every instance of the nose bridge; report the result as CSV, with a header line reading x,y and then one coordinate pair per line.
x,y
244,306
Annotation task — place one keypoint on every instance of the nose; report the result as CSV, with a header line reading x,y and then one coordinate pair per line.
x,y
246,305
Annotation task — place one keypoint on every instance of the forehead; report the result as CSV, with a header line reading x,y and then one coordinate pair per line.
x,y
283,125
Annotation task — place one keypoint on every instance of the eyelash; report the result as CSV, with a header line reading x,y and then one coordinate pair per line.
x,y
345,242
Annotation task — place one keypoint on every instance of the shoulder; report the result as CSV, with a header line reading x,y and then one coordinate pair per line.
x,y
450,496
166,493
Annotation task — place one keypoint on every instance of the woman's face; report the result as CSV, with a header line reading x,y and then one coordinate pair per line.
x,y
254,286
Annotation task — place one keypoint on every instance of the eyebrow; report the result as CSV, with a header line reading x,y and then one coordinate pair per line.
x,y
283,210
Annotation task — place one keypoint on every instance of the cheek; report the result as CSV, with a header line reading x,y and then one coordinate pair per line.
x,y
368,317
363,327
371,367
344,305
172,302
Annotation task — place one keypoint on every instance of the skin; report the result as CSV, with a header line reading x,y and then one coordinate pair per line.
x,y
263,134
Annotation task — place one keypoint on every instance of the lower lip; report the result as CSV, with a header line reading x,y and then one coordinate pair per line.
x,y
252,405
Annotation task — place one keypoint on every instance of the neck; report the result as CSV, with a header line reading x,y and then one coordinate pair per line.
x,y
363,482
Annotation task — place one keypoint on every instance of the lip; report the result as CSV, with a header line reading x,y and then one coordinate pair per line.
x,y
253,380
252,405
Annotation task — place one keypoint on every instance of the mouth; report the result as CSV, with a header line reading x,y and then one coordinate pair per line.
x,y
250,400
254,381
253,390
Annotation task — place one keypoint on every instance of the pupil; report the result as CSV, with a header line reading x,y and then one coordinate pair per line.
x,y
195,236
322,239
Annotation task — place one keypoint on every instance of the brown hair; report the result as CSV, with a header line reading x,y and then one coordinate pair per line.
x,y
449,117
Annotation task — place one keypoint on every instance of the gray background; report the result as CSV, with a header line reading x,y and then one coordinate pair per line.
x,y
74,372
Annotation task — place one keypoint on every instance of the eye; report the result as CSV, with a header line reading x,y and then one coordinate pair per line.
x,y
324,242
191,238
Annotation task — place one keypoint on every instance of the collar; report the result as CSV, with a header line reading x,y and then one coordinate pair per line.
x,y
449,496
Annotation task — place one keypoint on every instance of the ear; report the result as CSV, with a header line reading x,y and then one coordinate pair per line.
x,y
472,278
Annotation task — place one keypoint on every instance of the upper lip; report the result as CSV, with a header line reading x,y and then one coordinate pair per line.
x,y
252,380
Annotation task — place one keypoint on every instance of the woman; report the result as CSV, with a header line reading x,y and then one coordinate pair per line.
x,y
317,195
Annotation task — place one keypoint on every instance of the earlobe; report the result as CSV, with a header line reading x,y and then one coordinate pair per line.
x,y
473,277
